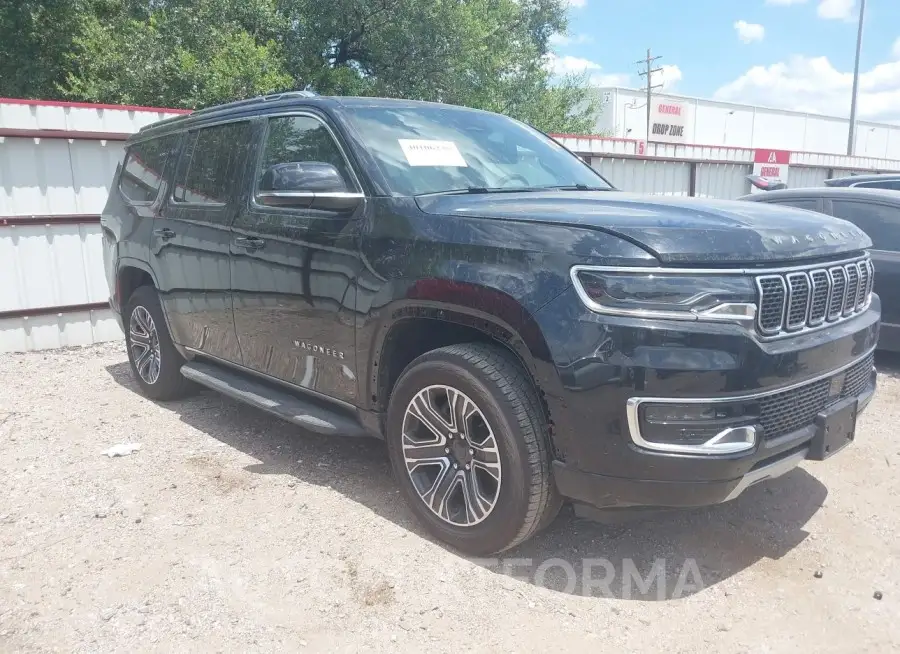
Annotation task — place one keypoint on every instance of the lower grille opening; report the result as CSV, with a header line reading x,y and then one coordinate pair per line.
x,y
783,413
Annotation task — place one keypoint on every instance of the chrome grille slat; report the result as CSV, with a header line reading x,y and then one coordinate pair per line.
x,y
852,288
801,299
798,301
838,291
821,289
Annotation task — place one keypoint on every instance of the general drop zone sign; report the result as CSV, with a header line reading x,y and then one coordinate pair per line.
x,y
667,121
771,165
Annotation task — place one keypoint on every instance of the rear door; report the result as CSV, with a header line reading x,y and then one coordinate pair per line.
x,y
190,242
882,223
294,269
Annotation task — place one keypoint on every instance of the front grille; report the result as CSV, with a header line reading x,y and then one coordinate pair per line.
x,y
788,411
802,299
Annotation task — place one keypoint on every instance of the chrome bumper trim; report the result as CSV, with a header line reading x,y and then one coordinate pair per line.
x,y
771,471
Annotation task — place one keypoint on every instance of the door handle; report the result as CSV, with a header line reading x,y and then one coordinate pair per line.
x,y
249,242
164,233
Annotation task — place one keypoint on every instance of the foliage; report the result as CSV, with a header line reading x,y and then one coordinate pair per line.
x,y
489,54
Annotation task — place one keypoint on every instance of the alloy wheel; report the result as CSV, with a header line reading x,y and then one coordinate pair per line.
x,y
144,342
451,455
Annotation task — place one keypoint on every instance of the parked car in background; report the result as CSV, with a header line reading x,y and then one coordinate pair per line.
x,y
463,287
888,181
876,212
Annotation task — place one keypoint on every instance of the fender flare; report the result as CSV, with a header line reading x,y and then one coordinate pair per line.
x,y
485,309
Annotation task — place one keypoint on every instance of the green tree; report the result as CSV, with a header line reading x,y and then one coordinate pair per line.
x,y
488,54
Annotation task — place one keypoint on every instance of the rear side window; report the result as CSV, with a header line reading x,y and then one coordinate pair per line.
x,y
144,167
211,163
880,221
809,205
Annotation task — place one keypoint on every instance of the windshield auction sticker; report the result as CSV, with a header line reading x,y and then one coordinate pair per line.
x,y
422,152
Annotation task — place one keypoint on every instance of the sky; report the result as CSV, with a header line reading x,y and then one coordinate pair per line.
x,y
789,54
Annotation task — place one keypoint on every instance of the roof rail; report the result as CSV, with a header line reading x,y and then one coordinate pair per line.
x,y
260,98
230,105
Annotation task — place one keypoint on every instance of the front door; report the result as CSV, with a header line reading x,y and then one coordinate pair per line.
x,y
191,239
294,268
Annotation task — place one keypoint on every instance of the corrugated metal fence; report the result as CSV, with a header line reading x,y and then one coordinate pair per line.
x,y
56,163
57,160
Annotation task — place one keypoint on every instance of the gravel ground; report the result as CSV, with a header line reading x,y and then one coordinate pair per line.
x,y
232,531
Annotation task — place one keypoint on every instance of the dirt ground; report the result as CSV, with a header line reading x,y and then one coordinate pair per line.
x,y
232,531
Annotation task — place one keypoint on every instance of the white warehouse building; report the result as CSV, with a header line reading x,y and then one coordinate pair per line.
x,y
696,121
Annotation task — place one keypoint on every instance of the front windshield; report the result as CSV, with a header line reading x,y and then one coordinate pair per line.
x,y
434,149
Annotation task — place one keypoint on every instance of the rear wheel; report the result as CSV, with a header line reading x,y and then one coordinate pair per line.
x,y
468,441
155,362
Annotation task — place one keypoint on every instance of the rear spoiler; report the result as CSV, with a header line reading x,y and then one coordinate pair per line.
x,y
764,184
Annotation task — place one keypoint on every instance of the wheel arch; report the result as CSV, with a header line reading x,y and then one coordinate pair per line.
x,y
415,326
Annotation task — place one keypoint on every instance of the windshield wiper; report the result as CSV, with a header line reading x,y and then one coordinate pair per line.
x,y
577,187
477,190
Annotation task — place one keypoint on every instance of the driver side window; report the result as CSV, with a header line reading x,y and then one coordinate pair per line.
x,y
299,139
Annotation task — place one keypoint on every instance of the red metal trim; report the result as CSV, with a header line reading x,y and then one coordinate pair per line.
x,y
46,311
91,105
63,134
60,219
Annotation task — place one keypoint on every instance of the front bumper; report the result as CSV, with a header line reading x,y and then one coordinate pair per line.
x,y
606,365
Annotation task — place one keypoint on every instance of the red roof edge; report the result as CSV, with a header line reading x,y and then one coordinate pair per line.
x,y
89,105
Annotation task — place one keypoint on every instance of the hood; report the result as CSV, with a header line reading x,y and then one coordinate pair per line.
x,y
673,229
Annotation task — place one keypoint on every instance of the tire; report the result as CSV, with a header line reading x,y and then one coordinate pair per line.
x,y
508,426
160,376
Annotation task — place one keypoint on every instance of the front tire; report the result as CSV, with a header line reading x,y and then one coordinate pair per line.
x,y
155,363
469,444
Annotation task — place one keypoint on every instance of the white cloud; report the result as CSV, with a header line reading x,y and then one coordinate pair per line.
x,y
569,65
569,39
749,32
837,9
896,49
669,76
812,84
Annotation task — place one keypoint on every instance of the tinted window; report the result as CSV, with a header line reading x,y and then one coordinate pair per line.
x,y
880,221
893,185
211,163
809,205
144,167
434,148
300,139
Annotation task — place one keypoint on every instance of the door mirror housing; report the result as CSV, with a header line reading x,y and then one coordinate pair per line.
x,y
312,183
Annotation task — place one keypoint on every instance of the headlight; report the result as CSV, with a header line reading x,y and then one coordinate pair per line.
x,y
668,294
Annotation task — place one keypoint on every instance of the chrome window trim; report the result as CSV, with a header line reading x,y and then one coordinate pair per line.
x,y
633,404
257,166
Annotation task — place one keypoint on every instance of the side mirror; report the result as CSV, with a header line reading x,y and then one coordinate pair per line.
x,y
312,183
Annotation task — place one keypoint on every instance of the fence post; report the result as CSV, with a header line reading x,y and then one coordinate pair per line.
x,y
692,190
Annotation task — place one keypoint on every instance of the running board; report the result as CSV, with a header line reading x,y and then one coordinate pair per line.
x,y
283,404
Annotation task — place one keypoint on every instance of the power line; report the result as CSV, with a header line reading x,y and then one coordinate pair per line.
x,y
648,73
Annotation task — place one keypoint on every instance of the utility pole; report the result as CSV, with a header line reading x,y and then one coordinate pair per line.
x,y
852,137
648,73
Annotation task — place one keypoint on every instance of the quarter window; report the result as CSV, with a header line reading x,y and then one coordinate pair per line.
x,y
144,167
211,163
299,139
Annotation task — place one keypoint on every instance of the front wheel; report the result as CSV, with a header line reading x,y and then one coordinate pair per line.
x,y
468,442
155,362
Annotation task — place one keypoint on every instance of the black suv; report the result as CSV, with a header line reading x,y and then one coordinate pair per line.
x,y
465,288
